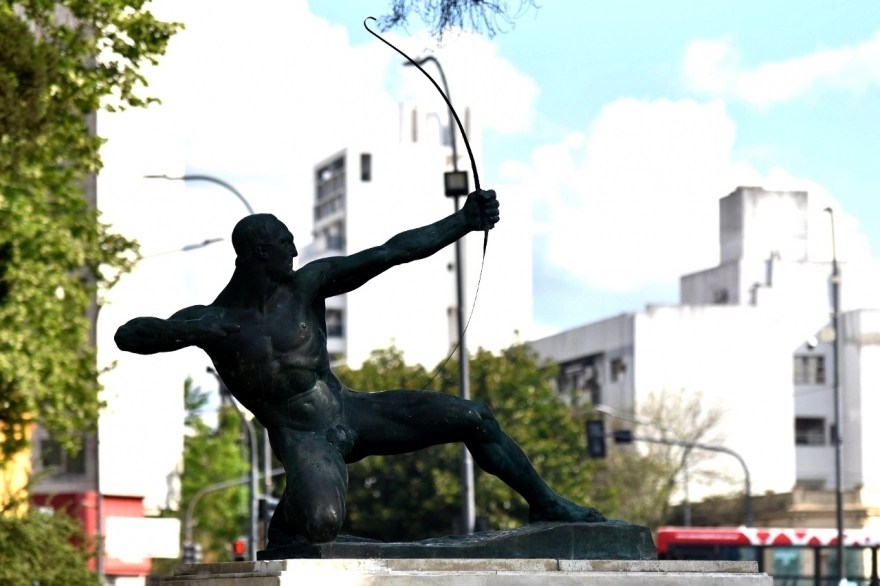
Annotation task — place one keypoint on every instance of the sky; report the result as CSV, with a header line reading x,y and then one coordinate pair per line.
x,y
620,124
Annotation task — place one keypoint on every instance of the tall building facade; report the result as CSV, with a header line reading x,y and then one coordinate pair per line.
x,y
368,192
752,335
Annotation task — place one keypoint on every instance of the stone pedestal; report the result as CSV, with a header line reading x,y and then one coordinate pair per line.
x,y
469,572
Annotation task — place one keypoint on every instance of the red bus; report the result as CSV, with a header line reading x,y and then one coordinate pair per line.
x,y
794,557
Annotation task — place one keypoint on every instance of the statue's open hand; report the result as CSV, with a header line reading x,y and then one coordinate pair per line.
x,y
481,209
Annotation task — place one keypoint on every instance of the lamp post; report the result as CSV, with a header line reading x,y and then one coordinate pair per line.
x,y
252,475
838,435
456,184
211,179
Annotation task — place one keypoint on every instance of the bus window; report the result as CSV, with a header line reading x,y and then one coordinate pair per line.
x,y
790,566
857,571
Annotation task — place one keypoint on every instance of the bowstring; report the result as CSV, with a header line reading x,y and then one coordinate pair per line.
x,y
470,152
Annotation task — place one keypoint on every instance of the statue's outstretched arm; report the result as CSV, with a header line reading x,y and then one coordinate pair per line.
x,y
193,326
342,274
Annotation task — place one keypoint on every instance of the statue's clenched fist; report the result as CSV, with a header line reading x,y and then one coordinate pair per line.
x,y
481,209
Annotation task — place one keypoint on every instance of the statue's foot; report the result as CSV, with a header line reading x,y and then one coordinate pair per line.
x,y
565,511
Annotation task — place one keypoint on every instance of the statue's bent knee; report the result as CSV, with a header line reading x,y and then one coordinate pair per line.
x,y
320,523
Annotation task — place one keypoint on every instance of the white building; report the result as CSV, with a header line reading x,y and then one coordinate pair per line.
x,y
368,192
753,336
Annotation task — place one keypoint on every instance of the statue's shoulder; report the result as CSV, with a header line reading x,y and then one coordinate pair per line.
x,y
199,312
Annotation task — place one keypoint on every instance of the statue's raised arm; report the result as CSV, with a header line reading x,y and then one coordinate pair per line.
x,y
343,274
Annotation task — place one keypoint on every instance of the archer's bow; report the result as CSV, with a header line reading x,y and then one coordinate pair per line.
x,y
467,144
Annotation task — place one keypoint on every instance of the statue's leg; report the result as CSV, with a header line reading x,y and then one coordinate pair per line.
x,y
313,504
396,422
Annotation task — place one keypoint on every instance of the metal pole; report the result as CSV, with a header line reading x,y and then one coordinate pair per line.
x,y
468,506
99,510
267,463
838,433
191,507
687,497
254,468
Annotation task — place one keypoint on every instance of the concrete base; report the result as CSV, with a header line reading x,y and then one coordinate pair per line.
x,y
470,572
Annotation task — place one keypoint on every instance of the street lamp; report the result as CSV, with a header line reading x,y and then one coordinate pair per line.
x,y
838,435
209,178
187,248
455,185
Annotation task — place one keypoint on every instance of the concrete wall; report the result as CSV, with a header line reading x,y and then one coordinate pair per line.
x,y
860,387
738,358
756,223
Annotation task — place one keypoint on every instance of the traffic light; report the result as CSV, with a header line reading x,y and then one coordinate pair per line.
x,y
622,436
192,553
239,550
596,438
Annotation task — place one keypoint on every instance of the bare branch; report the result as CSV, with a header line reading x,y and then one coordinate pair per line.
x,y
488,16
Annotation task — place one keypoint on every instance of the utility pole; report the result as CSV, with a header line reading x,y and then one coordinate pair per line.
x,y
456,185
253,474
838,432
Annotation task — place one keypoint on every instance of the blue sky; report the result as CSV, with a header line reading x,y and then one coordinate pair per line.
x,y
584,56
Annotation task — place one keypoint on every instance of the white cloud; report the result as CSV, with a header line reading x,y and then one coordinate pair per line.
x,y
634,201
478,77
717,68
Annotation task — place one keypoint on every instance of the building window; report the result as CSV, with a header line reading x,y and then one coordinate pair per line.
x,y
809,431
334,323
52,455
330,179
618,367
366,167
578,383
809,370
720,297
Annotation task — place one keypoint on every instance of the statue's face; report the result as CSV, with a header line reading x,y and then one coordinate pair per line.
x,y
278,253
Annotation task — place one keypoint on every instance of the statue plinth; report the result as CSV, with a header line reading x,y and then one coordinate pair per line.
x,y
612,540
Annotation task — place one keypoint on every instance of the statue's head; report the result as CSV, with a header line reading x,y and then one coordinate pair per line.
x,y
263,238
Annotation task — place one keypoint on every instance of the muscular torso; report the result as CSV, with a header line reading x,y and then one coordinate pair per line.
x,y
277,365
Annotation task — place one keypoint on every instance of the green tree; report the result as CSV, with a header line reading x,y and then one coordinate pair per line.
x,y
213,455
60,62
42,548
417,495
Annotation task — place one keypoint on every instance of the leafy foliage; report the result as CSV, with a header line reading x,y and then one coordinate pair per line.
x,y
441,15
211,456
48,549
646,475
417,495
59,61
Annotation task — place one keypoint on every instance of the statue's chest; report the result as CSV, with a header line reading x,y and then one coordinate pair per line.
x,y
275,333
